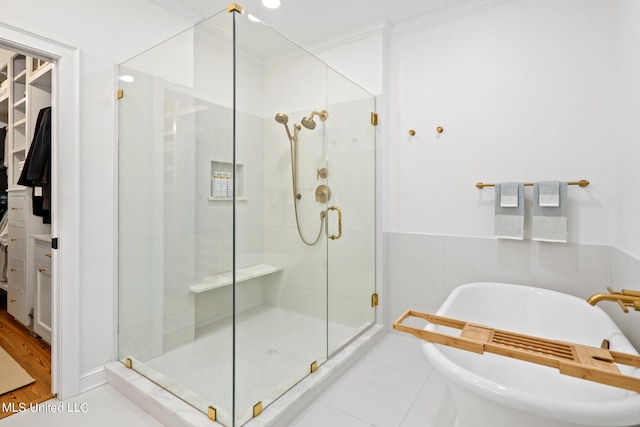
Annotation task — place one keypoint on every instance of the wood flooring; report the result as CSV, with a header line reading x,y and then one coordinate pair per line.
x,y
33,354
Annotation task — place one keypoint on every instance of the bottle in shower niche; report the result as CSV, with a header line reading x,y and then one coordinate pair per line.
x,y
223,184
217,186
230,184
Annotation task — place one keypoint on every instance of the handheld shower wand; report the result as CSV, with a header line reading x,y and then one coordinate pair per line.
x,y
308,123
283,119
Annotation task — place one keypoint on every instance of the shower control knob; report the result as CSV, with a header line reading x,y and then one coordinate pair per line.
x,y
322,173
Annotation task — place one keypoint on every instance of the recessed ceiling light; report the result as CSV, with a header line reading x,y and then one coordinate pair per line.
x,y
271,4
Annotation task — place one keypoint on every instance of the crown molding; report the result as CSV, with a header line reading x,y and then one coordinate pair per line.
x,y
445,15
377,28
184,10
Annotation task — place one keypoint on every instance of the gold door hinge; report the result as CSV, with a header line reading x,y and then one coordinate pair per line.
x,y
128,362
374,119
212,413
119,94
314,367
234,7
257,409
374,300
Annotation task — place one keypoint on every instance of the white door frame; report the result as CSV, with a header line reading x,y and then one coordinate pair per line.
x,y
65,224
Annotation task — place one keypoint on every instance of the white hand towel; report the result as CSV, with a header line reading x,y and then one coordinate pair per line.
x,y
509,194
549,224
509,221
549,193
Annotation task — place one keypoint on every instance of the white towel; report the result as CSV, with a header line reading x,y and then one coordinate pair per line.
x,y
509,221
549,223
549,193
509,194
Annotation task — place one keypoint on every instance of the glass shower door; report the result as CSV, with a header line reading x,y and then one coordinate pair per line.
x,y
350,147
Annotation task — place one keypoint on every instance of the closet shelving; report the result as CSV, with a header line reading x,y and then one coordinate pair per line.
x,y
17,117
4,95
4,117
29,91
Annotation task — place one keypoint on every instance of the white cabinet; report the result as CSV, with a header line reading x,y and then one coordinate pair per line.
x,y
17,294
21,255
42,303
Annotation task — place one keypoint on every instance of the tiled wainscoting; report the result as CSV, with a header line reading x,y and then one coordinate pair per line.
x,y
422,269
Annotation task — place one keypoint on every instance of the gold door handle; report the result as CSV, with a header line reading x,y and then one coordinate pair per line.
x,y
13,239
333,236
42,270
13,300
47,255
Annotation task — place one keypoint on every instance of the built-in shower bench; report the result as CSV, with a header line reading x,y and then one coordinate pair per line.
x,y
225,279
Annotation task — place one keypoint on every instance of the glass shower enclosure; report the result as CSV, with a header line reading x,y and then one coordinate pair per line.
x,y
246,214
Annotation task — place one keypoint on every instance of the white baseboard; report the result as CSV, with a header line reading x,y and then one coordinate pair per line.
x,y
92,378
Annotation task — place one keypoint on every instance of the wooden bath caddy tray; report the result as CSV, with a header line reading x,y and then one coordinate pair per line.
x,y
581,361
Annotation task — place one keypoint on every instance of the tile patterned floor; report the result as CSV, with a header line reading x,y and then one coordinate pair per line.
x,y
100,407
392,386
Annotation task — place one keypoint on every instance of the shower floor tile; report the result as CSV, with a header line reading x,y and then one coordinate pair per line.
x,y
274,350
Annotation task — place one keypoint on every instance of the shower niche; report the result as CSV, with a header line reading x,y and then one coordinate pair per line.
x,y
227,181
228,301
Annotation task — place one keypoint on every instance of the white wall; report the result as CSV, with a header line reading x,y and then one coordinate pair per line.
x,y
627,126
367,71
626,267
524,93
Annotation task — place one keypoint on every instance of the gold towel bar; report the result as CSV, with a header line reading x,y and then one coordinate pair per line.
x,y
581,183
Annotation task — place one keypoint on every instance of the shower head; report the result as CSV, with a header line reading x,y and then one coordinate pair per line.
x,y
309,123
282,118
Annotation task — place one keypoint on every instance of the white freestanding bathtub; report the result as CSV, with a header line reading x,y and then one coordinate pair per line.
x,y
495,391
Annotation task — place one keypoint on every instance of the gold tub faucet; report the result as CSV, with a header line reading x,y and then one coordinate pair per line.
x,y
625,298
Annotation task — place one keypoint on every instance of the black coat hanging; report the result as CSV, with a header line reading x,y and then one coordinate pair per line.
x,y
36,172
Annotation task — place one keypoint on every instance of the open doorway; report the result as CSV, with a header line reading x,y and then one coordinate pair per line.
x,y
26,294
65,197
